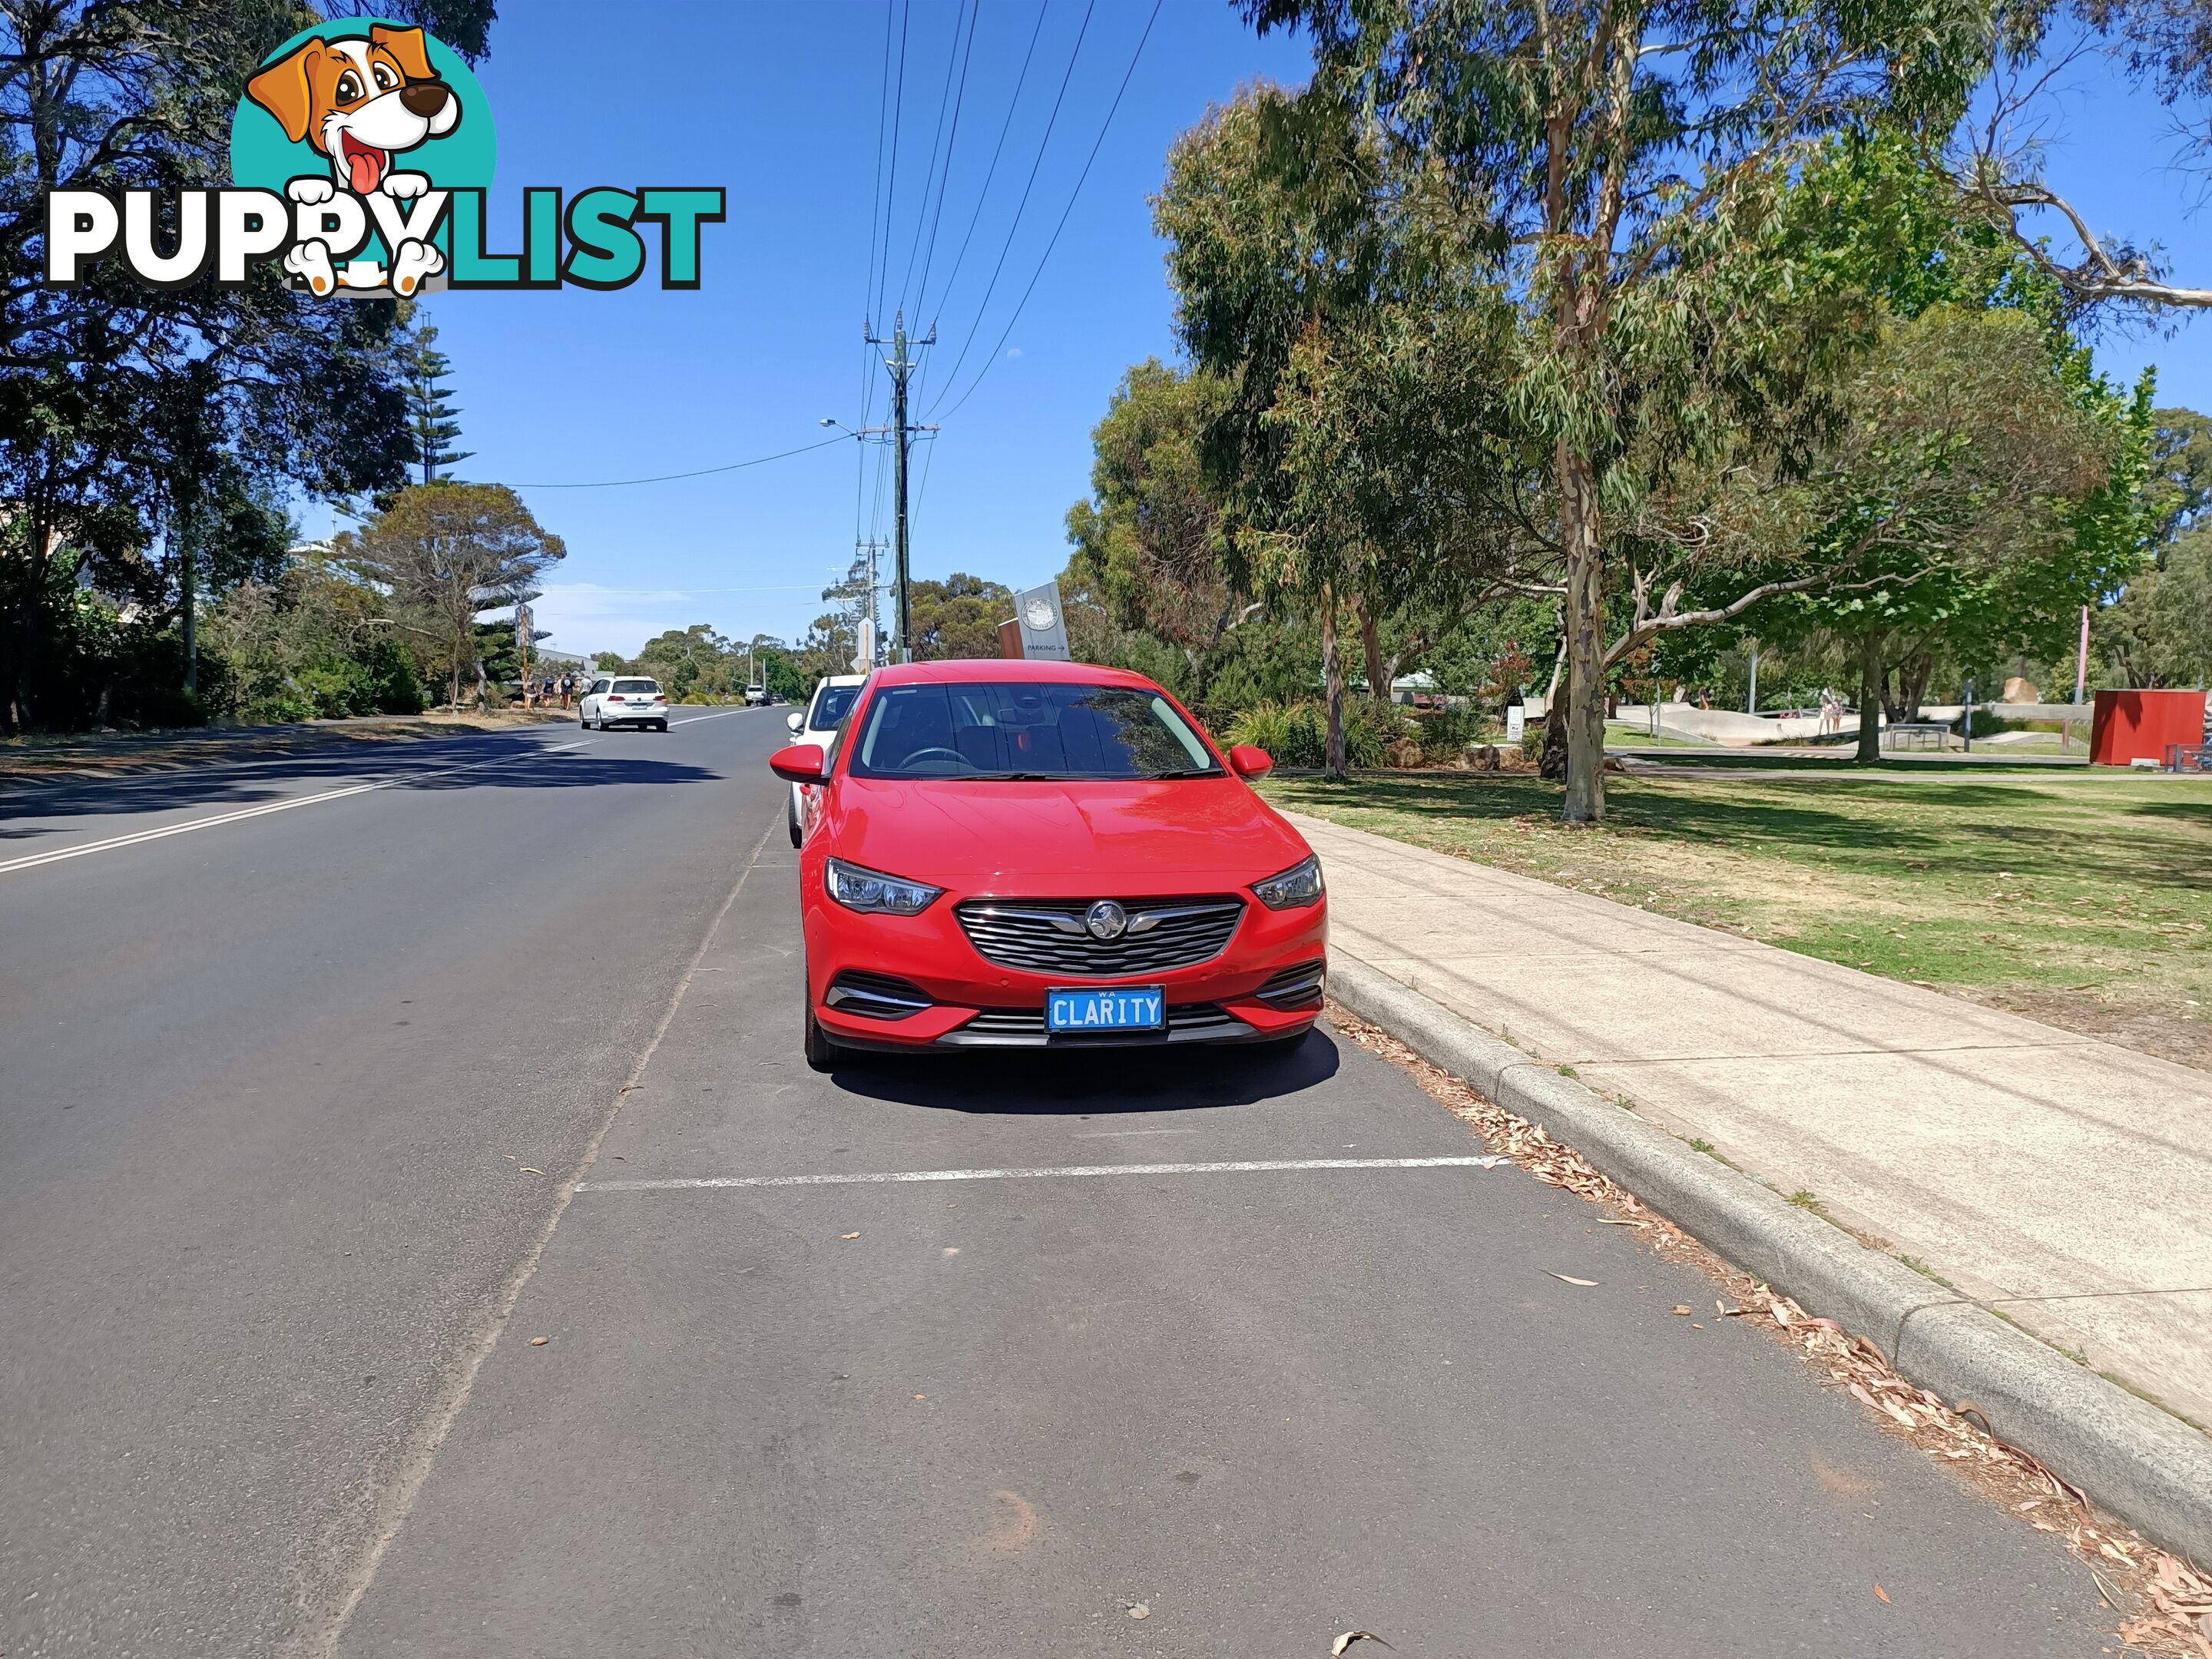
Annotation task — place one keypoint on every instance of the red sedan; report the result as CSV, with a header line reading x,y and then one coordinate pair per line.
x,y
1009,854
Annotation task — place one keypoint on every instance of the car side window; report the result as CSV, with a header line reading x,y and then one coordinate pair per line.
x,y
597,686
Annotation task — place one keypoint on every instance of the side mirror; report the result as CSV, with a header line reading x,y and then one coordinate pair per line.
x,y
803,762
797,722
1249,761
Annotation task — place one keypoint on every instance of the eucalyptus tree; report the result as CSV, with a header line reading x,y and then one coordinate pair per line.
x,y
1598,139
453,551
1342,300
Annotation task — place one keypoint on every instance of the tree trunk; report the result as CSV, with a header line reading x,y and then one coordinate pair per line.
x,y
1378,681
1585,624
1869,749
1553,764
1332,681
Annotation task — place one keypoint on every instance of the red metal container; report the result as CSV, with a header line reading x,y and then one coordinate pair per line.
x,y
2133,726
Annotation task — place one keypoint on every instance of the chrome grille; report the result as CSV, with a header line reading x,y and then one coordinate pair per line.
x,y
1024,1028
1047,936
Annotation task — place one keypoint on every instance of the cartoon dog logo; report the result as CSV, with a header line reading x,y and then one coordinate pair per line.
x,y
361,101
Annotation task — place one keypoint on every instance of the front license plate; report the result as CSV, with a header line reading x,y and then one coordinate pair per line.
x,y
1127,1008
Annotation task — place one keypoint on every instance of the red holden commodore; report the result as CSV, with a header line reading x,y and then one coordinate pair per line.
x,y
1012,855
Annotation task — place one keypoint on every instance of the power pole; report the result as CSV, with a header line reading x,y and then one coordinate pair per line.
x,y
872,547
902,367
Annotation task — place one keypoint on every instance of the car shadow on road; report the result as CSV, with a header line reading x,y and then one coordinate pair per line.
x,y
1075,1082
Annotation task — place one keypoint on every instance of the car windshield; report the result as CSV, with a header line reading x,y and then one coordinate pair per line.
x,y
831,704
647,686
1008,730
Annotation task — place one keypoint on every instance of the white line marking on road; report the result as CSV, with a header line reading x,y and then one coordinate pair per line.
x,y
1126,1134
263,810
395,1501
694,719
714,1183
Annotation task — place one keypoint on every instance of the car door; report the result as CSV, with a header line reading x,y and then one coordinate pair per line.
x,y
593,709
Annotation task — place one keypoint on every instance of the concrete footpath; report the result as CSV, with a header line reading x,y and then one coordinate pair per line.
x,y
2063,1182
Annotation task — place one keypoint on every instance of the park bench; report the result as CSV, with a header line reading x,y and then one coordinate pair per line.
x,y
2189,757
1916,734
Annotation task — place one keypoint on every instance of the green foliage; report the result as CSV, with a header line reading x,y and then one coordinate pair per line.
x,y
449,552
137,425
2159,631
959,616
433,424
1297,734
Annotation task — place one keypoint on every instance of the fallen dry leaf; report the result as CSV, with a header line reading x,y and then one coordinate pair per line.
x,y
1564,1280
1337,1647
1882,1593
848,1235
1620,1221
539,1341
1682,1307
526,1169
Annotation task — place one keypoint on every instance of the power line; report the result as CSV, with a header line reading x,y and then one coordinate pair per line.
x,y
876,191
992,172
952,141
666,478
1042,145
898,126
944,103
1061,226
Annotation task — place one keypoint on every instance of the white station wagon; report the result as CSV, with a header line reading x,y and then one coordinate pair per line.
x,y
611,702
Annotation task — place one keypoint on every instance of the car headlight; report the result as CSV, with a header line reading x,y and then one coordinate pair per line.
x,y
1298,886
873,891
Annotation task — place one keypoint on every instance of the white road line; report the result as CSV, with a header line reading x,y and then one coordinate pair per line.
x,y
694,719
713,1183
267,807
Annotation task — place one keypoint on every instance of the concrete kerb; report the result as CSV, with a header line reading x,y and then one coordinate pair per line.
x,y
2151,1469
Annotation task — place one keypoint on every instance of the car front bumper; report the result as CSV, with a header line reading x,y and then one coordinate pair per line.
x,y
916,982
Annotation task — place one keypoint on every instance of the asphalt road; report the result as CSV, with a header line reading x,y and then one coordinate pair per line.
x,y
293,1107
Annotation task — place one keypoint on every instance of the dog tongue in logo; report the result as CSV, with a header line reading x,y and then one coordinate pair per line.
x,y
364,165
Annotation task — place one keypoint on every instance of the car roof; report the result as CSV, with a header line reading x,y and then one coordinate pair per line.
x,y
1004,669
844,679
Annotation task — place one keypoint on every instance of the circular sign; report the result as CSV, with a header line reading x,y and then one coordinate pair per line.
x,y
1039,614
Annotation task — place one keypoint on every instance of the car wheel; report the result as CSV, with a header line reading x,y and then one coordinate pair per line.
x,y
821,1055
660,726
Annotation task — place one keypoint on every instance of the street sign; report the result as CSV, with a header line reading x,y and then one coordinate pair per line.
x,y
1043,629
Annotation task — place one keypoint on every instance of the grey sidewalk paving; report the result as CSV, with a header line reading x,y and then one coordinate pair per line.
x,y
2064,1183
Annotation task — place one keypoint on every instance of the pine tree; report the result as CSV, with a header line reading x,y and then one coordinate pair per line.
x,y
432,421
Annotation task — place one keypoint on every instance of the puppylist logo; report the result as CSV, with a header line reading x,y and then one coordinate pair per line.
x,y
361,158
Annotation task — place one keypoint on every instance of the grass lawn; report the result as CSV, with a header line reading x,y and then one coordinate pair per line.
x,y
2082,899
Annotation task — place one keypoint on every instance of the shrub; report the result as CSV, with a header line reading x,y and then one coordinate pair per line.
x,y
1297,734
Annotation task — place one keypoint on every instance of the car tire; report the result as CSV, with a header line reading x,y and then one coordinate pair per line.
x,y
821,1055
791,819
660,726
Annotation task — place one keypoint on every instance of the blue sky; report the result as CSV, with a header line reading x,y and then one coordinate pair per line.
x,y
781,104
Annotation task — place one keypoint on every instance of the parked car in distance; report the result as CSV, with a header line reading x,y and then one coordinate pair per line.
x,y
609,702
1025,854
818,724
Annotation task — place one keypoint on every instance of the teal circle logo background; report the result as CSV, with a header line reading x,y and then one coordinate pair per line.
x,y
263,158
